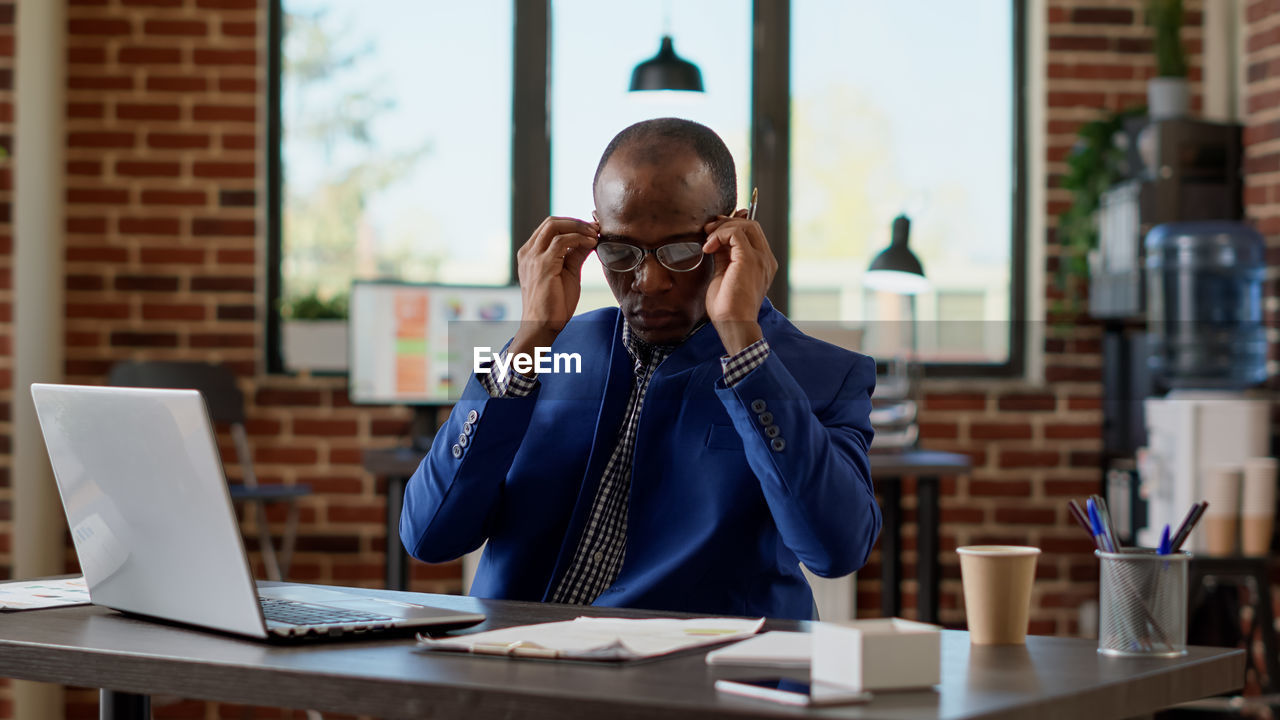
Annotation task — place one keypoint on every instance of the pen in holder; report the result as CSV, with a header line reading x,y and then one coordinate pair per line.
x,y
1143,603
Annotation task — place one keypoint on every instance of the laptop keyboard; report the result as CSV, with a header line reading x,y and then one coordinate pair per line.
x,y
296,613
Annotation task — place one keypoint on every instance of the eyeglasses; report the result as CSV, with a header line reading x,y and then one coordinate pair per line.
x,y
676,257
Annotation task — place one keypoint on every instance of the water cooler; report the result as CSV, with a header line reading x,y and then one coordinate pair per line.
x,y
1207,342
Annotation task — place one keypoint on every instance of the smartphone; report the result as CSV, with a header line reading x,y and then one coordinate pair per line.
x,y
793,692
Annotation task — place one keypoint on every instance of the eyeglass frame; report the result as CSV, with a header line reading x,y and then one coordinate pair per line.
x,y
645,252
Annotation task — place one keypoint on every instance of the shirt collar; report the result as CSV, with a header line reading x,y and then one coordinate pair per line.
x,y
644,353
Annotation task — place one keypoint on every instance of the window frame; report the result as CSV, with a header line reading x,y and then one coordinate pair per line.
x,y
770,158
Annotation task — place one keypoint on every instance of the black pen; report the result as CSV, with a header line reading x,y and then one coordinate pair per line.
x,y
1189,524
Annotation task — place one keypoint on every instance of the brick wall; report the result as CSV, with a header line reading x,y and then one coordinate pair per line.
x,y
1262,130
165,260
1035,446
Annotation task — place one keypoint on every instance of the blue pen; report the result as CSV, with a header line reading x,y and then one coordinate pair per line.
x,y
1095,521
1165,546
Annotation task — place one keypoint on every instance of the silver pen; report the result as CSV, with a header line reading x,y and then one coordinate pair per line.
x,y
751,209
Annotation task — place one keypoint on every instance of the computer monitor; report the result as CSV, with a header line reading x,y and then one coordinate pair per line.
x,y
401,333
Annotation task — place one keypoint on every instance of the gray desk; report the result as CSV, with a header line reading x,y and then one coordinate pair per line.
x,y
887,471
129,658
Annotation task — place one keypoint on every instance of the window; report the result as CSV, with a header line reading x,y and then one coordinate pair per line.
x,y
395,142
904,108
888,108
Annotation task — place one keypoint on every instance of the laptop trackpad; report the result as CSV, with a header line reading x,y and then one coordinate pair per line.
x,y
350,601
302,593
390,608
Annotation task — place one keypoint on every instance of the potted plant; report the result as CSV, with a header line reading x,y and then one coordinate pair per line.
x,y
1096,163
1168,93
315,332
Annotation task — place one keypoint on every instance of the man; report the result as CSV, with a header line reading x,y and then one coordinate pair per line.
x,y
706,448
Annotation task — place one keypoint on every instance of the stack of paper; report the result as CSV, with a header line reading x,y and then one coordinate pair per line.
x,y
776,649
36,594
602,639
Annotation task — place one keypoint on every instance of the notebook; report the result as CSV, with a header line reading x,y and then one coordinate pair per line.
x,y
141,482
776,649
599,639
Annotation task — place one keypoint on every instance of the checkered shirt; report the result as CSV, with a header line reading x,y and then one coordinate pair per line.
x,y
600,552
741,363
604,540
513,384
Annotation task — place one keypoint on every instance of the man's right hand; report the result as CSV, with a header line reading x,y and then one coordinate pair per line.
x,y
549,266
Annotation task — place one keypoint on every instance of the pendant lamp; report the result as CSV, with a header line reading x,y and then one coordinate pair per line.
x,y
666,71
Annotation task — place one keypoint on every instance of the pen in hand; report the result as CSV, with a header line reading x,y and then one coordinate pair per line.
x,y
751,209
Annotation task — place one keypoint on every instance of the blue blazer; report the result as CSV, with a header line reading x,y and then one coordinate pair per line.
x,y
731,488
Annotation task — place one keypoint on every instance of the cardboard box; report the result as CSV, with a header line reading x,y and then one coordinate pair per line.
x,y
888,654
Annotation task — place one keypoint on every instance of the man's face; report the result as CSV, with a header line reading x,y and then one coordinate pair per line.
x,y
649,204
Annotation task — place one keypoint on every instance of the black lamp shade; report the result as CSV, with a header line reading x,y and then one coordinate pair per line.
x,y
898,258
666,71
896,268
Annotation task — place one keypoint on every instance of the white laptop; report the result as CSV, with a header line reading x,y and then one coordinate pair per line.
x,y
152,521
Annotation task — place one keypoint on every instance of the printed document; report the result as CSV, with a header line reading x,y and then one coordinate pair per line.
x,y
36,594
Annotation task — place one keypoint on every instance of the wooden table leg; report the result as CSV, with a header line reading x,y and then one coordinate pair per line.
x,y
113,705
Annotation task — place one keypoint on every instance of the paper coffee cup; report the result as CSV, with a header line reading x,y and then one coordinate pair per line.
x,y
1257,507
1222,517
997,583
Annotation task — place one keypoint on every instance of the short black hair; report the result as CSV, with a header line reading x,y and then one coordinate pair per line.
x,y
654,138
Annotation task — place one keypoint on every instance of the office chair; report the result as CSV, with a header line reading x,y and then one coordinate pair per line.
x,y
226,404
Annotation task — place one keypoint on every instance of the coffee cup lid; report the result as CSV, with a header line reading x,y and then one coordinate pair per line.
x,y
998,550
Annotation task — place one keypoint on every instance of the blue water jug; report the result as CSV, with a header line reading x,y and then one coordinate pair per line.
x,y
1204,304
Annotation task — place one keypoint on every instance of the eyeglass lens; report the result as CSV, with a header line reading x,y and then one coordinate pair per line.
x,y
677,257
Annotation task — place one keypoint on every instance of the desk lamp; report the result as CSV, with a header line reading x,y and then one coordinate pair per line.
x,y
896,269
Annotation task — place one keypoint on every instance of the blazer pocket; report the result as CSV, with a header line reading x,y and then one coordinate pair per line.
x,y
724,437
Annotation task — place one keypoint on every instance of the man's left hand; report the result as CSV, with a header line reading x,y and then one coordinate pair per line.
x,y
744,269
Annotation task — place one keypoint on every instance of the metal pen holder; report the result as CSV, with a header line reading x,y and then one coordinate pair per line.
x,y
1143,603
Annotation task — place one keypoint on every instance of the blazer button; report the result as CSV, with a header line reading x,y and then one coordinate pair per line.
x,y
472,417
758,406
457,451
766,418
778,444
463,440
467,428
772,431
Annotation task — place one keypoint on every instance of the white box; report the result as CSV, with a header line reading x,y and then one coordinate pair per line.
x,y
899,654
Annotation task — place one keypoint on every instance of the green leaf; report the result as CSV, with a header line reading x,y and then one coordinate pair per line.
x,y
312,306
